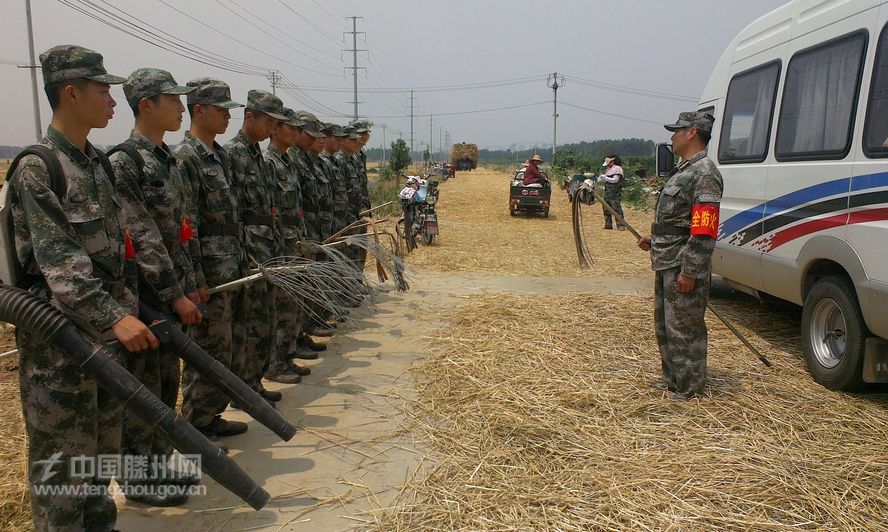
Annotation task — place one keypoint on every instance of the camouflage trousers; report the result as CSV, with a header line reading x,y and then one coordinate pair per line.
x,y
222,336
158,370
259,318
67,416
681,331
613,196
325,225
290,321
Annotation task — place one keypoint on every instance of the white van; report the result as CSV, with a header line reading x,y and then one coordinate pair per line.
x,y
800,99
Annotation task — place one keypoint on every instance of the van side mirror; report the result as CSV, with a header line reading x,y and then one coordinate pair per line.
x,y
665,160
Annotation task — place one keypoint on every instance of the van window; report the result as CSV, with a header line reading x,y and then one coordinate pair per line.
x,y
747,123
875,133
819,95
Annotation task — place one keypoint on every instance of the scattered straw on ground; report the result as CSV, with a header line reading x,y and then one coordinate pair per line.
x,y
478,235
15,505
539,415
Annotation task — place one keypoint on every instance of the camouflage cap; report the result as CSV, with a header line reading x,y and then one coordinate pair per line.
x,y
350,132
338,131
149,82
695,119
266,102
291,118
209,91
68,61
310,123
361,126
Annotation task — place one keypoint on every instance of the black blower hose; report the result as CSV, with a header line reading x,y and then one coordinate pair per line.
x,y
38,317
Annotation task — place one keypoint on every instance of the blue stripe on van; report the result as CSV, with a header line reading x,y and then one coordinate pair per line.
x,y
799,197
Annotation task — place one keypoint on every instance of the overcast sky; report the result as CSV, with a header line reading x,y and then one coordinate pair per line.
x,y
664,47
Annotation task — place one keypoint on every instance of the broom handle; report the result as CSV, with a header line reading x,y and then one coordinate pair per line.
x,y
718,315
368,211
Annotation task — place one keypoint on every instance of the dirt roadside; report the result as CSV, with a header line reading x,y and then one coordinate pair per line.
x,y
353,451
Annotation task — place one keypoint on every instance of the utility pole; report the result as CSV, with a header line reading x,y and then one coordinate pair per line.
x,y
555,81
354,50
38,128
441,141
431,139
274,78
412,109
383,143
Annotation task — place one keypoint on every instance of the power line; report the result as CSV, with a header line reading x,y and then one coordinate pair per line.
x,y
457,113
441,88
175,45
264,31
616,115
287,34
233,38
633,90
334,19
312,24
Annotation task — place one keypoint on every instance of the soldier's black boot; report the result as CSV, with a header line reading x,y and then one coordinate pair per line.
x,y
306,341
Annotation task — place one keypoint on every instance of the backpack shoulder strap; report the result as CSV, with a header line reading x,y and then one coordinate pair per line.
x,y
53,167
131,152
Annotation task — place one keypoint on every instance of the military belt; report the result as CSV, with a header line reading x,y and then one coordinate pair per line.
x,y
220,229
291,220
258,219
669,230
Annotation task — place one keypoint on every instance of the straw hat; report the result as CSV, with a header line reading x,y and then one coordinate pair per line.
x,y
537,158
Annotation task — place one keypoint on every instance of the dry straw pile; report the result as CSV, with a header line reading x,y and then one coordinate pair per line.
x,y
539,416
478,235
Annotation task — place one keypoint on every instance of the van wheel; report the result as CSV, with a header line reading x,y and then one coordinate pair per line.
x,y
833,334
546,212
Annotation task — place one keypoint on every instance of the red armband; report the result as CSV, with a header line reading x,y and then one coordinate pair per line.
x,y
185,231
129,250
704,220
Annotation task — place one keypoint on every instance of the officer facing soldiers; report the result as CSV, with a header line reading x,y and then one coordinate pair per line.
x,y
288,199
681,243
157,197
252,179
75,250
217,250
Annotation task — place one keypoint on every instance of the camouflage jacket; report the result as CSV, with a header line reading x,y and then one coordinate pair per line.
x,y
288,198
338,187
311,192
158,191
252,179
325,188
352,185
361,165
75,243
695,182
217,247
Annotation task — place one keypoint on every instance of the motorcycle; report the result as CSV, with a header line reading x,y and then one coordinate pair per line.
x,y
419,217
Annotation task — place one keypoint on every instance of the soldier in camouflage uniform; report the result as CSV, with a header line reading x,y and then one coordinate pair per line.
x,y
253,181
288,198
333,159
303,157
217,251
75,249
324,178
681,243
156,196
362,128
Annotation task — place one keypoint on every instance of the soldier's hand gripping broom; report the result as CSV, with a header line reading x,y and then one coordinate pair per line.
x,y
585,190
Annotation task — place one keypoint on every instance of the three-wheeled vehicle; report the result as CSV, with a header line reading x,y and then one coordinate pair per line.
x,y
531,198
